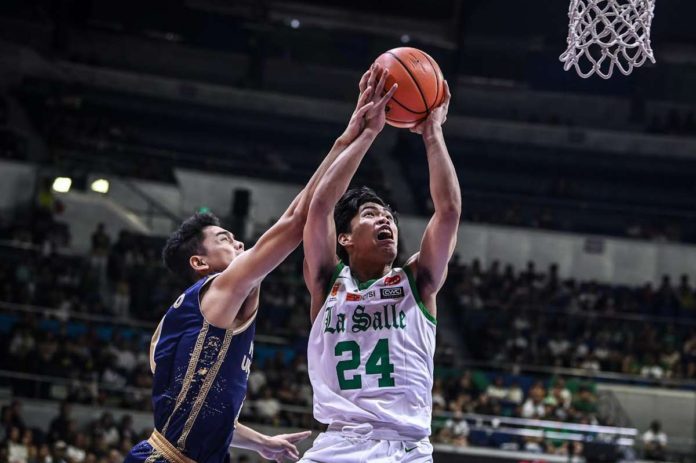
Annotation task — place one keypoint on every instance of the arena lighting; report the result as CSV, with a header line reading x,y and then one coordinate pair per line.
x,y
295,23
62,184
100,185
405,38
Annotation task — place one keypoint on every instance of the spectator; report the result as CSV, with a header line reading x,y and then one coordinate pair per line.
x,y
60,426
515,393
497,391
17,451
268,407
655,442
586,402
561,393
651,368
60,452
533,407
105,428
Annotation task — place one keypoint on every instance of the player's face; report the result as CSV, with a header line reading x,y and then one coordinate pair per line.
x,y
374,233
220,248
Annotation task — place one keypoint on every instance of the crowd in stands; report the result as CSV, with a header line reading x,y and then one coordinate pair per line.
x,y
122,278
553,399
103,440
603,327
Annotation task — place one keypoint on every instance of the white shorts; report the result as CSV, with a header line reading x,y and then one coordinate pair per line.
x,y
363,447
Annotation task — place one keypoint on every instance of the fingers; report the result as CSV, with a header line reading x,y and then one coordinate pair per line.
x,y
291,451
382,81
363,110
417,129
383,101
365,96
363,80
298,436
448,95
373,76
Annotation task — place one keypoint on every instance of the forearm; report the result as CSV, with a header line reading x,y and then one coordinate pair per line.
x,y
337,178
246,438
308,192
444,184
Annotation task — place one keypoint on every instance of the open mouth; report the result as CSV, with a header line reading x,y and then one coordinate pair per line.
x,y
385,234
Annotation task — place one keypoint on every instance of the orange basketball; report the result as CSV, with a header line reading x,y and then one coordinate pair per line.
x,y
421,86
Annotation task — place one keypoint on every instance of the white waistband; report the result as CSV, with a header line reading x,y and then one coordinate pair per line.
x,y
369,431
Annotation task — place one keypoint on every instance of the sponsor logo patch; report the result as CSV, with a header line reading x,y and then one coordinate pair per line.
x,y
352,297
335,288
391,281
392,293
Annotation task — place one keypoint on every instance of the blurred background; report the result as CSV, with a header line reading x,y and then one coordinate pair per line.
x,y
568,322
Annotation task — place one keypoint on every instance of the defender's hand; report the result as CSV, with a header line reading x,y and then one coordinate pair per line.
x,y
356,124
376,116
282,446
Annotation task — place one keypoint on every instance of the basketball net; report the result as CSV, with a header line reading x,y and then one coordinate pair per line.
x,y
603,34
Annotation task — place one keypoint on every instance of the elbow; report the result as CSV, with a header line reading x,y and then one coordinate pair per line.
x,y
450,209
320,206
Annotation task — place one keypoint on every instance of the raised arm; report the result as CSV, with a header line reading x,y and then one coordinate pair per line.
x,y
430,264
222,301
319,231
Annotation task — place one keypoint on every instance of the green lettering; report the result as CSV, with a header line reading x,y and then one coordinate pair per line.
x,y
327,321
361,320
341,323
377,321
386,317
402,317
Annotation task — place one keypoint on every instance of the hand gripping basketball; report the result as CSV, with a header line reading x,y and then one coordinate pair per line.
x,y
438,115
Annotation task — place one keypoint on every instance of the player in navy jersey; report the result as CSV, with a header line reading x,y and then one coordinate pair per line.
x,y
202,350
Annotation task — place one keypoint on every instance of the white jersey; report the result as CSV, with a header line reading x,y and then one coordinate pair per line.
x,y
370,355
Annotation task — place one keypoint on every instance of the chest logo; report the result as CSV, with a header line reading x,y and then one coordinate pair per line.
x,y
391,281
392,293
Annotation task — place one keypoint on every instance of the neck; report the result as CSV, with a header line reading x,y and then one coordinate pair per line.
x,y
365,271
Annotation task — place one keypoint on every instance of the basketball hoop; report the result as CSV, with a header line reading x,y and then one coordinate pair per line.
x,y
603,34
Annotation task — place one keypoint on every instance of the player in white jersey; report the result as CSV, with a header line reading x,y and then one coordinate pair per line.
x,y
372,341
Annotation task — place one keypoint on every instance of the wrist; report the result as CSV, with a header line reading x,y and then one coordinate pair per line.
x,y
369,133
342,141
432,132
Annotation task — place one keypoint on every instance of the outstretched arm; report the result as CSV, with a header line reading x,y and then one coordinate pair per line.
x,y
276,448
222,301
319,230
430,264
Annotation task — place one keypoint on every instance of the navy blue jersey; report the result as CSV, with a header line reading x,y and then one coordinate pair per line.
x,y
200,377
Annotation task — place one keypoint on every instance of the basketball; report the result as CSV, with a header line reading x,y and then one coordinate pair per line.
x,y
421,86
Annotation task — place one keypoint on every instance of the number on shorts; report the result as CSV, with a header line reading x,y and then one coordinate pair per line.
x,y
377,364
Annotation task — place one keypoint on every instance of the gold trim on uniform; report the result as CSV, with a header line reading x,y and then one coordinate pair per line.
x,y
164,448
247,323
153,345
193,362
205,388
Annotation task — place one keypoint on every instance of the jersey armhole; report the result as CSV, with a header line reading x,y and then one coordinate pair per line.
x,y
334,276
416,295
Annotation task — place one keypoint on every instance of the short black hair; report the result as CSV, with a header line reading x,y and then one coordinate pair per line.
x,y
348,206
185,242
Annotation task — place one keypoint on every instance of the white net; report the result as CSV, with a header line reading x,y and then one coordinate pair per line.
x,y
604,34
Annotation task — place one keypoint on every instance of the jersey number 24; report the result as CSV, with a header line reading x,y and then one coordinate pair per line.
x,y
377,364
